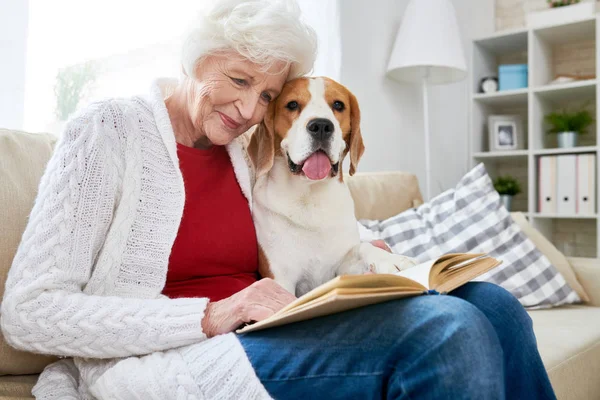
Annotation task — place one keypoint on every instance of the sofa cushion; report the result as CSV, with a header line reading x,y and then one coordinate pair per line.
x,y
17,387
557,258
471,218
569,343
380,195
23,157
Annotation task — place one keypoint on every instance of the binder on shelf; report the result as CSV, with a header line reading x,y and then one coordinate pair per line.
x,y
547,184
586,187
566,183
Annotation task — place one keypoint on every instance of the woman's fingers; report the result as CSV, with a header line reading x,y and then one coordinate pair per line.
x,y
258,301
264,298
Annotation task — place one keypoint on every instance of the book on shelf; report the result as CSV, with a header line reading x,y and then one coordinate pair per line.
x,y
586,184
547,184
566,184
346,292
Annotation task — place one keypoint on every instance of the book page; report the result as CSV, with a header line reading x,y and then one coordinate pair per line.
x,y
453,278
351,281
452,263
419,273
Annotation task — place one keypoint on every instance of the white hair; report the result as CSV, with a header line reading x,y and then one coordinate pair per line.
x,y
262,31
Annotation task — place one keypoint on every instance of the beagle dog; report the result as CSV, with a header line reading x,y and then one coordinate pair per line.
x,y
302,209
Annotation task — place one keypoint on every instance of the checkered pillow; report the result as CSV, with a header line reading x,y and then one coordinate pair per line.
x,y
471,218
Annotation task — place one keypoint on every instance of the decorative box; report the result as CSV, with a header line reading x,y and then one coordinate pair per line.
x,y
512,76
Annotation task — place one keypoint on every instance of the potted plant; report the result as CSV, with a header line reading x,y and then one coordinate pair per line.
x,y
507,187
561,3
569,125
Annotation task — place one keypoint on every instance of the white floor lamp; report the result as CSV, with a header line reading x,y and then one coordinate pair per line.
x,y
428,50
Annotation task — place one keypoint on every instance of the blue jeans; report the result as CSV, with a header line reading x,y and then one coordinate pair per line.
x,y
477,342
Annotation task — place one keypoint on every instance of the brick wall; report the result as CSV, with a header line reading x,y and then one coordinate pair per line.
x,y
575,58
511,13
575,237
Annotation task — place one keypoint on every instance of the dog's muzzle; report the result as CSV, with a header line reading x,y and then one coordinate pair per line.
x,y
298,169
321,131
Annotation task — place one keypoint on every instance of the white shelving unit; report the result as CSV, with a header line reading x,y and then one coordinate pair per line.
x,y
535,47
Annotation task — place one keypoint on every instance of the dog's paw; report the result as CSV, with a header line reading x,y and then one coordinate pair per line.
x,y
391,263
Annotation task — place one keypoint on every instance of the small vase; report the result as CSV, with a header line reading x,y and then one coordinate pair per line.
x,y
506,200
567,139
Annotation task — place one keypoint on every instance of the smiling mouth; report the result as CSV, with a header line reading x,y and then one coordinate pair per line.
x,y
317,166
230,123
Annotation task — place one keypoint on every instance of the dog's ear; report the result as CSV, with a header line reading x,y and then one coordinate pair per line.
x,y
355,142
262,145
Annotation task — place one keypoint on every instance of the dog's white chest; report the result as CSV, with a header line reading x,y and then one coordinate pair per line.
x,y
304,230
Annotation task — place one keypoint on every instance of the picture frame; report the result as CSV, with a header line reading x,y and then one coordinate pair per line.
x,y
506,133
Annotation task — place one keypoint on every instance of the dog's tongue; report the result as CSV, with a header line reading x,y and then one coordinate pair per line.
x,y
317,166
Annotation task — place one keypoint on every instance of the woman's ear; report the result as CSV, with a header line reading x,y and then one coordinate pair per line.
x,y
355,142
262,145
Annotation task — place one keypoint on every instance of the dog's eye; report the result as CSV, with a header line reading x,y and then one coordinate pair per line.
x,y
292,105
338,105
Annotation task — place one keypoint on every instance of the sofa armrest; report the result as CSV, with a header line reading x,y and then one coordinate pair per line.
x,y
588,274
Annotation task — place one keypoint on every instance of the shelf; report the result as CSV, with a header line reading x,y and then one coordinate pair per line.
x,y
503,98
564,216
572,150
584,29
571,48
505,42
492,155
567,92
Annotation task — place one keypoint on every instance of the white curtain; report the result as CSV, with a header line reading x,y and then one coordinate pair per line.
x,y
125,50
323,16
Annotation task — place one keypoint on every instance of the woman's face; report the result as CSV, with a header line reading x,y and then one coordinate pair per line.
x,y
231,94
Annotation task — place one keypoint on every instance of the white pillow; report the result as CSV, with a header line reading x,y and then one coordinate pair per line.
x,y
471,218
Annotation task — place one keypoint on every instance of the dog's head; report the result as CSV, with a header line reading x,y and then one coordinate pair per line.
x,y
314,123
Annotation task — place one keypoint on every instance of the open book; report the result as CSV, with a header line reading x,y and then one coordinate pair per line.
x,y
346,292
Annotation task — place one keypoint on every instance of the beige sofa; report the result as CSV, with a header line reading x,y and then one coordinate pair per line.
x,y
568,337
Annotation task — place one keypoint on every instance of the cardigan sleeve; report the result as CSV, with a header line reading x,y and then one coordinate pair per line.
x,y
44,309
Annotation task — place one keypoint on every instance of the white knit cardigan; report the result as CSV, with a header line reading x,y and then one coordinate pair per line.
x,y
87,278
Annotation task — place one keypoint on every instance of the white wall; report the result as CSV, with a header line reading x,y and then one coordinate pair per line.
x,y
392,121
13,52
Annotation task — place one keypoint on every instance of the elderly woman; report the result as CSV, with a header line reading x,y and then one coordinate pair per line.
x,y
140,257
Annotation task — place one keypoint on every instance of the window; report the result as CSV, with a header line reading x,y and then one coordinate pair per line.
x,y
73,52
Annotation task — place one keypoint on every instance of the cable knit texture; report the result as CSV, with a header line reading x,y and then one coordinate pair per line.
x,y
87,276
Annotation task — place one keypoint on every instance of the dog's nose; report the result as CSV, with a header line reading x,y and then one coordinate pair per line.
x,y
320,128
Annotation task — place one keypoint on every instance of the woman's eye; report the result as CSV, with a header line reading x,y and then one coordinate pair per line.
x,y
338,105
267,97
239,81
292,105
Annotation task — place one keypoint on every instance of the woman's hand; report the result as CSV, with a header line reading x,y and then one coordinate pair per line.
x,y
254,303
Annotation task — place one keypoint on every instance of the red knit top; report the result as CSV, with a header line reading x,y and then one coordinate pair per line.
x,y
215,253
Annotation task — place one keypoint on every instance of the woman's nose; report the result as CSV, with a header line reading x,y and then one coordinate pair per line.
x,y
247,105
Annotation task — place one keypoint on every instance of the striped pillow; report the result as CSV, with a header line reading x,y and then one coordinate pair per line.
x,y
471,218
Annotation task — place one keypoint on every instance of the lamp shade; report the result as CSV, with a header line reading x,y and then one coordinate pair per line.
x,y
428,41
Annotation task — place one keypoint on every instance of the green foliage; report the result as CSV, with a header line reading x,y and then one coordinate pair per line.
x,y
507,185
565,121
561,3
70,87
